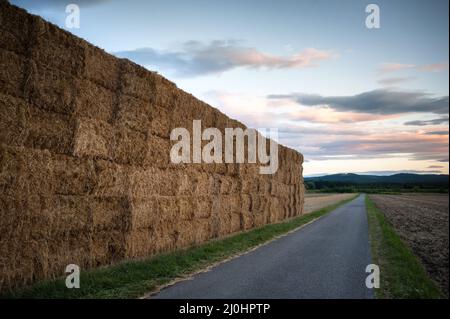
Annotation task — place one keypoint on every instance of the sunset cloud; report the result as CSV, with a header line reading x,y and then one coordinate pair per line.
x,y
384,145
382,101
328,115
395,80
195,58
437,121
394,67
322,133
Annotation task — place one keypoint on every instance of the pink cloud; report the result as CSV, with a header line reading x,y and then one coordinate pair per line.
x,y
393,67
436,67
328,115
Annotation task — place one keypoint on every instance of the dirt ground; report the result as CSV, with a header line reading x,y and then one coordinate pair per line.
x,y
421,220
315,201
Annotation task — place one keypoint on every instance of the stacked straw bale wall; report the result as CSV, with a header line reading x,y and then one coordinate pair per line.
x,y
85,176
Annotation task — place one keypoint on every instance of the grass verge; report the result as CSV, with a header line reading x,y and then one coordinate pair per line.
x,y
133,279
402,276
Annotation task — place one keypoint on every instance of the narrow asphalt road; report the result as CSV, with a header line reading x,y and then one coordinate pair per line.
x,y
325,259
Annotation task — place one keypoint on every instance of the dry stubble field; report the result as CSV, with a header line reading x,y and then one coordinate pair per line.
x,y
314,201
421,220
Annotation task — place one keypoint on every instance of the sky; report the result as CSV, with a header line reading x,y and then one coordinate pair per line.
x,y
349,98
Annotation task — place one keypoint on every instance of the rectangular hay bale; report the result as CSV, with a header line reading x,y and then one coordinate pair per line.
x,y
130,147
49,130
140,243
93,101
101,67
107,247
50,89
136,81
13,116
12,68
93,139
72,176
56,48
112,179
158,154
110,213
14,28
25,171
134,113
144,213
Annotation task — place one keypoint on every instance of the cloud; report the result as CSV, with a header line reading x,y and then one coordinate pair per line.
x,y
417,147
437,121
348,135
437,67
437,133
328,115
382,101
405,171
436,166
394,81
394,67
196,58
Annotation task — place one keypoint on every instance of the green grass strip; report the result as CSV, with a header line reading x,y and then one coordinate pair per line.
x,y
402,276
133,279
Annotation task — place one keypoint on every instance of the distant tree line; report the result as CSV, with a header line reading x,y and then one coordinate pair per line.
x,y
348,187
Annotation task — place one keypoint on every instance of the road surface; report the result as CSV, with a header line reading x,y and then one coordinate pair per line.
x,y
324,259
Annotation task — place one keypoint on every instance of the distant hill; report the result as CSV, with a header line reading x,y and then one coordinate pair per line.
x,y
402,178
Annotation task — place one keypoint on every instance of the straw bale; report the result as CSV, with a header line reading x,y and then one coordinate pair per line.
x,y
107,247
202,230
158,153
186,208
12,74
134,113
50,89
49,130
93,139
72,176
25,171
164,93
13,115
226,184
112,179
237,223
140,243
219,168
168,210
204,184
111,213
145,182
93,101
60,215
136,81
144,212
249,185
56,48
203,207
185,234
163,241
160,122
130,147
101,67
187,182
14,28
56,255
